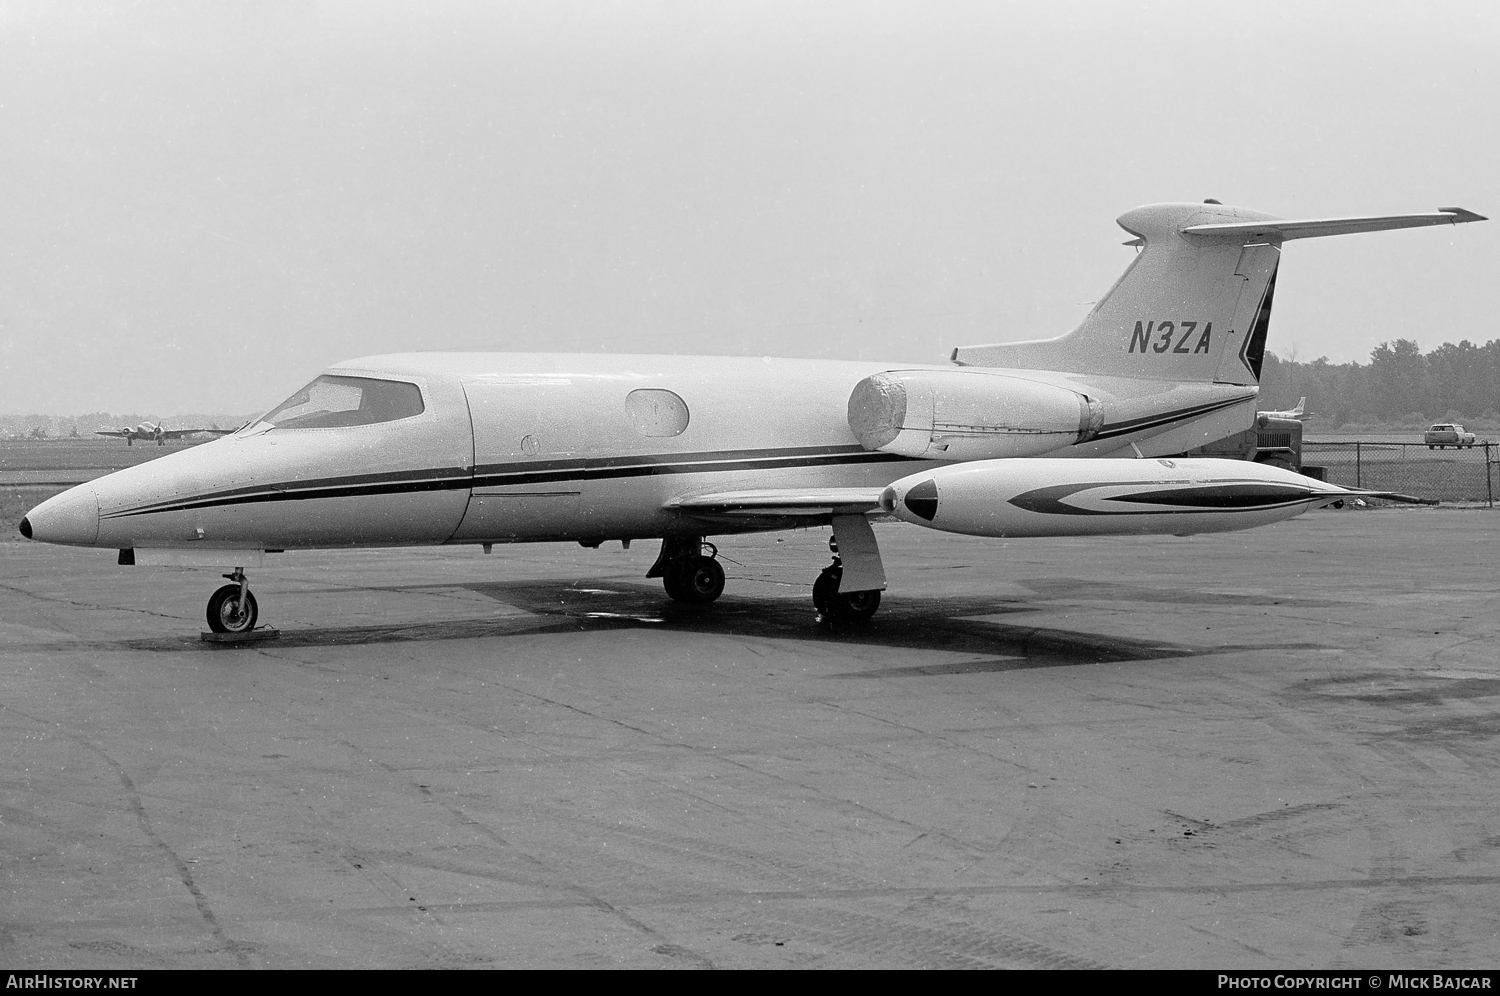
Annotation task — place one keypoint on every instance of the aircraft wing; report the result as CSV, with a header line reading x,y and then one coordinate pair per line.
x,y
110,432
781,503
179,433
1384,496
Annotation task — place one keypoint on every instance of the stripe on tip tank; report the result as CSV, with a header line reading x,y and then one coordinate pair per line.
x,y
1248,496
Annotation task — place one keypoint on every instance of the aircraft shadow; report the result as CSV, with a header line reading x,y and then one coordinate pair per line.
x,y
904,622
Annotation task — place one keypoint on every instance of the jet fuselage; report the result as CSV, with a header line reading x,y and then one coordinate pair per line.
x,y
524,447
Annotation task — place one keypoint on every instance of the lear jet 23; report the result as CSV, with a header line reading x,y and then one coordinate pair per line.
x,y
147,430
1056,437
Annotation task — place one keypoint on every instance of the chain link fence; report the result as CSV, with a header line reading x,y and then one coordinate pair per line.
x,y
1454,475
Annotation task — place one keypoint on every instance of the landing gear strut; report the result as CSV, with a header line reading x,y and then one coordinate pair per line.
x,y
834,604
689,570
232,608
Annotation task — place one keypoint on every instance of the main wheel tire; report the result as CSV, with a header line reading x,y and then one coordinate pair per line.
x,y
224,615
826,585
704,579
834,604
854,604
672,582
697,581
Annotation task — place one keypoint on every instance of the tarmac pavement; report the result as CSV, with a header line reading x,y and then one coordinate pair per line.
x,y
1275,748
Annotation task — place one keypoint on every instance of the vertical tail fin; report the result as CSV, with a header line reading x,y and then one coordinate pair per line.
x,y
1195,304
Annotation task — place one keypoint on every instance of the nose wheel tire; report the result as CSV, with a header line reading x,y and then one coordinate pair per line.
x,y
697,580
225,614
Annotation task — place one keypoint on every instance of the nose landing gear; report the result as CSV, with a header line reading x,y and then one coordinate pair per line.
x,y
232,608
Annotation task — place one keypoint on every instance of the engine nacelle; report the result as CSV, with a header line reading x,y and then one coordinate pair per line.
x,y
968,415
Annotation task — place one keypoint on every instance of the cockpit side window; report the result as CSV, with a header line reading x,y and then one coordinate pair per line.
x,y
333,401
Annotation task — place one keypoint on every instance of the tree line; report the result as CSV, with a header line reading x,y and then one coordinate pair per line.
x,y
1399,386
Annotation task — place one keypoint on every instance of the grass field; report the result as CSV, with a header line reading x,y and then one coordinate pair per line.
x,y
1451,475
33,470
15,502
94,452
1382,437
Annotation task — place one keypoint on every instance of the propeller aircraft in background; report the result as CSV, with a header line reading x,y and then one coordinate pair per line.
x,y
1296,413
149,430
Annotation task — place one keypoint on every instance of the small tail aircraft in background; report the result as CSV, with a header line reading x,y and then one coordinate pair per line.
x,y
1296,413
1055,437
148,430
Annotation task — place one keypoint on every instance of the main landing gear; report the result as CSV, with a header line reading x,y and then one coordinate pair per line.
x,y
832,603
689,570
847,589
232,608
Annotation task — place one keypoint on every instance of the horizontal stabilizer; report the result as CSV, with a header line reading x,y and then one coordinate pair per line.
x,y
1194,305
1272,230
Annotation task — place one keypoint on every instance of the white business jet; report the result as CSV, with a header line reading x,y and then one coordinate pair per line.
x,y
486,448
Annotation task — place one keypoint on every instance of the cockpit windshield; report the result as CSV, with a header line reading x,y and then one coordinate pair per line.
x,y
333,401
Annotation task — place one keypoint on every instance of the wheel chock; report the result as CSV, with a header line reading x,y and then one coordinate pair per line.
x,y
251,637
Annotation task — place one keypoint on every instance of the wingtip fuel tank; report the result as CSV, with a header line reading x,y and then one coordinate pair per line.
x,y
1063,497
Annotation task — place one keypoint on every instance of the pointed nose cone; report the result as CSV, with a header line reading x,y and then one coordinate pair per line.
x,y
71,518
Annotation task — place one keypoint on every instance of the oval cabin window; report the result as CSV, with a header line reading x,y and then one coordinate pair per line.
x,y
654,412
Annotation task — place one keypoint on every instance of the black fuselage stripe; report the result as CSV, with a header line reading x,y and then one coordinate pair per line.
x,y
1154,421
411,482
645,459
582,469
591,472
459,478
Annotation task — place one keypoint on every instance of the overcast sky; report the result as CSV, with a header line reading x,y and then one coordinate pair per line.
x,y
203,204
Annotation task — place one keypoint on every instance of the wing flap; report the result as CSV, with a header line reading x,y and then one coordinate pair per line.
x,y
780,502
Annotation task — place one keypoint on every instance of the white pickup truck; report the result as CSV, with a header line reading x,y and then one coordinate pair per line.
x,y
1446,434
